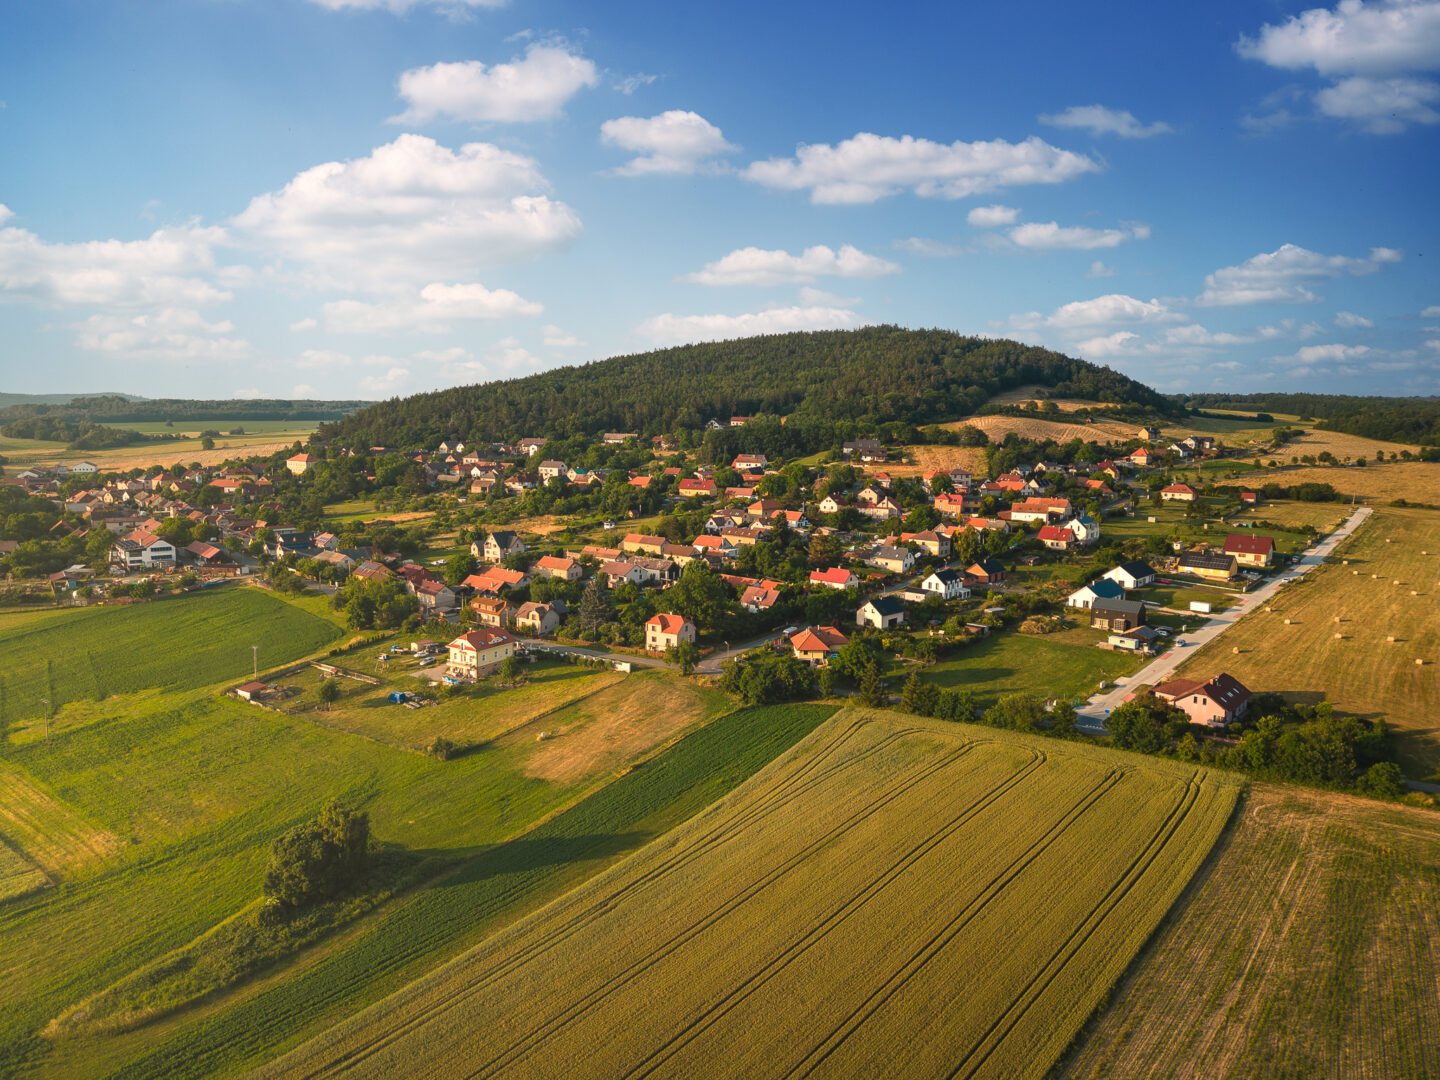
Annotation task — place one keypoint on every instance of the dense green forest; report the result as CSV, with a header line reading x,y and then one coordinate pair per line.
x,y
113,409
855,379
1407,420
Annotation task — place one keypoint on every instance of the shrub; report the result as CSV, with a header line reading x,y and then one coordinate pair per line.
x,y
319,859
443,749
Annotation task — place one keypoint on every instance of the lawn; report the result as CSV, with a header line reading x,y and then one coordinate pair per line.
x,y
1323,517
881,901
1180,596
469,717
1351,662
1066,666
1304,949
180,643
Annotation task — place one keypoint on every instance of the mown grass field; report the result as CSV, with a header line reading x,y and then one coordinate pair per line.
x,y
18,875
886,899
1323,517
1065,665
476,716
1414,481
1360,671
180,643
1305,948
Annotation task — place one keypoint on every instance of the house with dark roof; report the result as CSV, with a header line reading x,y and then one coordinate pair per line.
x,y
1208,564
1135,574
500,545
946,584
882,613
1117,615
1104,589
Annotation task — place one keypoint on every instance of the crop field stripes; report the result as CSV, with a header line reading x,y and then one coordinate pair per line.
x,y
813,773
1006,1023
992,888
893,896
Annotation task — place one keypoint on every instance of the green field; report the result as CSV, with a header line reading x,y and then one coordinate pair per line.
x,y
884,900
18,875
489,890
1066,665
181,643
1304,949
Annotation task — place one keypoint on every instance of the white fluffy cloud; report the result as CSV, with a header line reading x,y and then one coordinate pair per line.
x,y
431,311
756,266
533,87
1348,320
679,329
1049,236
400,7
1355,38
1431,312
987,217
1098,120
386,385
171,267
1098,270
553,337
409,213
1382,106
672,142
1373,51
299,326
1315,354
1113,309
928,248
168,334
1282,276
867,167
1120,343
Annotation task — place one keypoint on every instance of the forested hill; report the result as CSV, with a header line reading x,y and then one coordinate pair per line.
x,y
1406,420
870,376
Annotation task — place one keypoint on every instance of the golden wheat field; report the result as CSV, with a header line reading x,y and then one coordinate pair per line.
x,y
893,897
1304,948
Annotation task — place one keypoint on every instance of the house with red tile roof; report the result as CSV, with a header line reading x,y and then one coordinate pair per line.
x,y
817,644
1250,550
665,631
1217,701
837,577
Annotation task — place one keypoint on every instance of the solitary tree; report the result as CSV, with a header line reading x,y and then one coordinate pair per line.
x,y
328,692
685,655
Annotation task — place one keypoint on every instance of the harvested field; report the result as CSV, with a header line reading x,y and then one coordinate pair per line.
x,y
997,427
603,730
969,458
1361,672
47,832
1415,481
1305,948
1040,395
884,900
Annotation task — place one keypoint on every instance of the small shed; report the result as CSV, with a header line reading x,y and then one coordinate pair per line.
x,y
251,691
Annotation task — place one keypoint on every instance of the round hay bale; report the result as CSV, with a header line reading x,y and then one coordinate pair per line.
x,y
1388,540
1395,582
1339,635
1337,618
1390,638
1344,562
1287,622
1235,649
1414,593
1420,660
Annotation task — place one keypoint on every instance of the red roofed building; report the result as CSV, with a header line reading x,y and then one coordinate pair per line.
x,y
553,566
697,488
837,577
1177,493
1216,702
817,645
301,463
1250,550
665,631
479,652
1056,537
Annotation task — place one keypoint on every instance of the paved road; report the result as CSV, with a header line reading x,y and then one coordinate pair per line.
x,y
533,645
1092,714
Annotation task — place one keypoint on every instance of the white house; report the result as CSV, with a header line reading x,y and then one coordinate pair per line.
x,y
1104,589
1132,575
882,613
478,652
946,584
1085,528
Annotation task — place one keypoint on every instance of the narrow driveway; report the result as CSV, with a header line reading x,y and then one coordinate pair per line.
x,y
1092,714
532,645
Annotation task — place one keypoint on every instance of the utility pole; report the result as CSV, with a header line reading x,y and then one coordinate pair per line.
x,y
255,659
46,702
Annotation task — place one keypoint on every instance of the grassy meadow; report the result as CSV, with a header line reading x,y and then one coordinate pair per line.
x,y
1388,589
1066,665
179,643
1304,948
885,899
261,437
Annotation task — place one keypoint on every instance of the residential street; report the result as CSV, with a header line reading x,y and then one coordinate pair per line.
x,y
1092,715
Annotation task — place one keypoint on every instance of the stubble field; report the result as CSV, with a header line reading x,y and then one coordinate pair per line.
x,y
893,897
1305,948
1351,663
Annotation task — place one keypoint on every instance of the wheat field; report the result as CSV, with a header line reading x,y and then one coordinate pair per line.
x,y
895,896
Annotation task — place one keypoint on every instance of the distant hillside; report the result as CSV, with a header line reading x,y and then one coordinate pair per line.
x,y
863,378
1414,420
121,408
53,399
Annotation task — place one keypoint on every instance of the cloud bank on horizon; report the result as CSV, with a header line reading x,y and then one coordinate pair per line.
x,y
456,194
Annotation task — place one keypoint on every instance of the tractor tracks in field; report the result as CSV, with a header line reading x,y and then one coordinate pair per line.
x,y
818,769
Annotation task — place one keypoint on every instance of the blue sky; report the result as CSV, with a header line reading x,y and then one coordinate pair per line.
x,y
359,198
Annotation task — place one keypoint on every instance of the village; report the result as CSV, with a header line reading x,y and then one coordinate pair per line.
x,y
838,562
